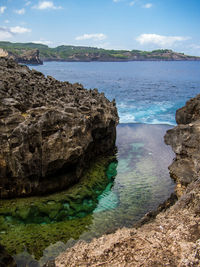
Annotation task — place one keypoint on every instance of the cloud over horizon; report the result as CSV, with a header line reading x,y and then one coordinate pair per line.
x,y
93,36
161,40
7,33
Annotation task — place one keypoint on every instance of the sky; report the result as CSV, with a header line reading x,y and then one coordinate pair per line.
x,y
109,24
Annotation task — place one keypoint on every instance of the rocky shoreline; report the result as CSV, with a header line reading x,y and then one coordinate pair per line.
x,y
172,238
34,113
50,131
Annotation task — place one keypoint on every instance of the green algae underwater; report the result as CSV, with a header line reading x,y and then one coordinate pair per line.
x,y
116,191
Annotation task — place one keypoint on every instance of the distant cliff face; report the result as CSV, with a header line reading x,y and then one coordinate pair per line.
x,y
50,130
88,55
85,54
26,56
29,57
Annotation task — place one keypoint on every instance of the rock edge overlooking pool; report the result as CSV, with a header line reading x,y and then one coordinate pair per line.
x,y
50,130
172,238
185,142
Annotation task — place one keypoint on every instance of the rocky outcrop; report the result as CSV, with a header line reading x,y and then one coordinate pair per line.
x,y
25,56
50,130
29,57
185,142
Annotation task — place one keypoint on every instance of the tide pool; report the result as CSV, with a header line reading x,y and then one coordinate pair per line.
x,y
116,192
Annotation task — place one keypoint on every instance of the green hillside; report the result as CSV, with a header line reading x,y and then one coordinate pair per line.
x,y
81,53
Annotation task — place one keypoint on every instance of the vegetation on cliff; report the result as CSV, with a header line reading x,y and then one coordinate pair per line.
x,y
81,53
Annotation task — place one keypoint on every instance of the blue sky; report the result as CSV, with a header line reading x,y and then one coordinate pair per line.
x,y
117,24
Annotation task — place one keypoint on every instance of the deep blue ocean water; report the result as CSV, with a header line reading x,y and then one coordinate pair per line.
x,y
145,92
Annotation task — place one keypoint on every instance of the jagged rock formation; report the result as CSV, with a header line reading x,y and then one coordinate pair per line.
x,y
49,130
185,142
25,56
173,237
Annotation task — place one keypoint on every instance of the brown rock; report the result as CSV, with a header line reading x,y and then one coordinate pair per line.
x,y
50,130
185,142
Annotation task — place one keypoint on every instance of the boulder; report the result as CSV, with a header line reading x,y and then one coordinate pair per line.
x,y
49,130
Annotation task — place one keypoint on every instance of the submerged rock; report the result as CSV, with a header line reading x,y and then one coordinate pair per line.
x,y
50,131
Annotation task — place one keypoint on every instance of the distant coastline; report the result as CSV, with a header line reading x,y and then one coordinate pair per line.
x,y
38,53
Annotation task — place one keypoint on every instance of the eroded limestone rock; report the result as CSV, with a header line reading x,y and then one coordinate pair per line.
x,y
49,130
185,142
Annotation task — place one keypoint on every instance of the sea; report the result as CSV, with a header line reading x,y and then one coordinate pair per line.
x,y
145,91
147,96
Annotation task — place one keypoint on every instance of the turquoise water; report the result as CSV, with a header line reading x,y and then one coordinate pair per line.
x,y
136,183
145,92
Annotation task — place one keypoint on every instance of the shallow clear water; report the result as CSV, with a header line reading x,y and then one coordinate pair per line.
x,y
141,183
145,92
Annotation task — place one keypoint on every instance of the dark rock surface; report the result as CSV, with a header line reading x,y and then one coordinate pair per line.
x,y
5,259
29,57
49,130
185,142
25,56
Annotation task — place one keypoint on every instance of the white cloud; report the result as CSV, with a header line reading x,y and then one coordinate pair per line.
x,y
20,11
195,46
132,3
2,9
116,1
160,40
28,3
7,33
46,5
94,36
6,21
148,5
18,29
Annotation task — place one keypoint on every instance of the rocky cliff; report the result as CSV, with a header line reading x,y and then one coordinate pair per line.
x,y
71,53
25,56
172,238
185,142
49,130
